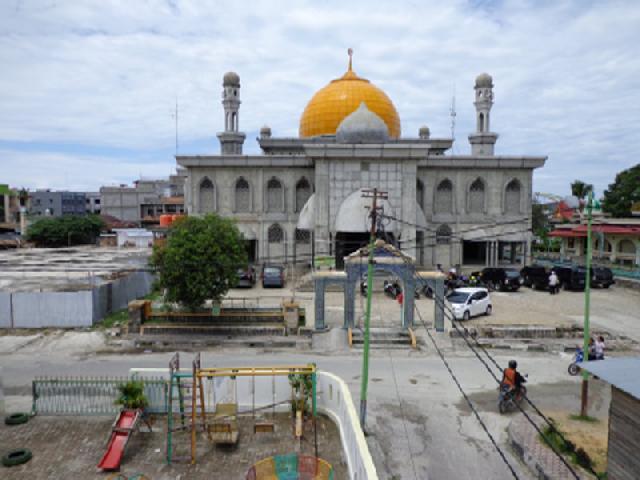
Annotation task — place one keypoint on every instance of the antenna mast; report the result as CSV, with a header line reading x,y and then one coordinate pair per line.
x,y
452,113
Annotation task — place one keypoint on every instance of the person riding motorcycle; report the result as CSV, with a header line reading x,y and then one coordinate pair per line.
x,y
511,378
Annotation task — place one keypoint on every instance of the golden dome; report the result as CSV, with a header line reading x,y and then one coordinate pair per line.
x,y
341,97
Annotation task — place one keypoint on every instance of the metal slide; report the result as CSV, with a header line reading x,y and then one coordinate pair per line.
x,y
121,432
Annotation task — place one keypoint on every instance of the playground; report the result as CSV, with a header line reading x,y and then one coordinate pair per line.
x,y
71,447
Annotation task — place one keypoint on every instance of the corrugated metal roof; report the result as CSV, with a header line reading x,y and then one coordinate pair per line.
x,y
622,373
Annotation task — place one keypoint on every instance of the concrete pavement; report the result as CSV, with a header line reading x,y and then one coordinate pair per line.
x,y
423,427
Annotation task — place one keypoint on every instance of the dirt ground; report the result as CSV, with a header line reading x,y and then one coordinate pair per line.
x,y
590,435
71,447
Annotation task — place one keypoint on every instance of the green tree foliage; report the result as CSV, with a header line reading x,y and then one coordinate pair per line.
x,y
65,230
131,395
580,189
200,260
623,193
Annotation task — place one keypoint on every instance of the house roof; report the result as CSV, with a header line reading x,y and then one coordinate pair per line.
x,y
622,373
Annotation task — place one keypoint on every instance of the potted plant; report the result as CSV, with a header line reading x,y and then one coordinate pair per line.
x,y
131,395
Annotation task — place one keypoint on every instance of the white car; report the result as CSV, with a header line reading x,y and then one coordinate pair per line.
x,y
469,302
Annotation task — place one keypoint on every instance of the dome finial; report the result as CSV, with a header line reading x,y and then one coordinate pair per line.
x,y
350,53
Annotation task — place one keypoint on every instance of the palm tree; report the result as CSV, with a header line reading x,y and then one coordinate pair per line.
x,y
580,189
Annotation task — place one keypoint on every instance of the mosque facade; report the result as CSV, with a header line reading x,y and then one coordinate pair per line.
x,y
302,198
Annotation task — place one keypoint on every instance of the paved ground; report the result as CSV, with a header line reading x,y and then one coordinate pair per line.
x,y
614,309
416,415
85,439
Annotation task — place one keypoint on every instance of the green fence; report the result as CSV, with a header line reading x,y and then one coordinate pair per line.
x,y
90,395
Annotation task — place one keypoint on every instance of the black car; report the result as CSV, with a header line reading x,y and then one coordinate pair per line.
x,y
570,277
602,277
273,276
535,276
497,278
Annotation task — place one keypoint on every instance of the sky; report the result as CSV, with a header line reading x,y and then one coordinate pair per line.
x,y
88,89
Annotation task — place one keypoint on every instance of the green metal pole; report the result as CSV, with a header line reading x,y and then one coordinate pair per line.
x,y
587,302
367,321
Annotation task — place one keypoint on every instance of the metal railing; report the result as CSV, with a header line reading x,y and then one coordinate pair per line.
x,y
90,395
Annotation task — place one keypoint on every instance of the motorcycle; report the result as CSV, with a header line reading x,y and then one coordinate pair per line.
x,y
508,399
578,357
392,289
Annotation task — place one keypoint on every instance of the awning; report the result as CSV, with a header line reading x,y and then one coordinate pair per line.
x,y
489,234
246,232
307,216
567,234
353,214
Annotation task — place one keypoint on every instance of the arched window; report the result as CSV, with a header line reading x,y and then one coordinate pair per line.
x,y
303,237
206,196
512,197
626,246
443,235
275,195
420,193
275,234
243,196
303,192
481,122
476,197
444,197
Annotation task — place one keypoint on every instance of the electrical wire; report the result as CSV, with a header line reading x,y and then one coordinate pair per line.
x,y
466,397
465,336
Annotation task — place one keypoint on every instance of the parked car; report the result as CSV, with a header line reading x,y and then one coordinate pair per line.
x,y
246,277
571,277
602,277
535,276
469,302
497,278
273,276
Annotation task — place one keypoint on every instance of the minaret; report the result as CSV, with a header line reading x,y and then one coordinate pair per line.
x,y
231,139
483,141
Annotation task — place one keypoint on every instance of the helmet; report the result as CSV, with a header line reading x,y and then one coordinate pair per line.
x,y
513,364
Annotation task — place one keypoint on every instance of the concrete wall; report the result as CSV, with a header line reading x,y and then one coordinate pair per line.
x,y
52,309
71,309
5,310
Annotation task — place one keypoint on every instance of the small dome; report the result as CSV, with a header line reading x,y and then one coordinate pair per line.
x,y
265,132
362,126
424,132
231,79
484,80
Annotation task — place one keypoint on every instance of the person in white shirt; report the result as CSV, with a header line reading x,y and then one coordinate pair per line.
x,y
553,283
599,348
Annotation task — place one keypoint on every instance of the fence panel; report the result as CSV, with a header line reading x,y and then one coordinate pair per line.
x,y
90,396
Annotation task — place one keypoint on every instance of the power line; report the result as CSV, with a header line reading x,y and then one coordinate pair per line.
x,y
467,399
465,336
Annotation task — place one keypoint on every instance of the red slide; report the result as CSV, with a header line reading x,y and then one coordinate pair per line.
x,y
119,437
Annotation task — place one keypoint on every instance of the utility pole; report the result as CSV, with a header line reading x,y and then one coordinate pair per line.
x,y
375,194
587,295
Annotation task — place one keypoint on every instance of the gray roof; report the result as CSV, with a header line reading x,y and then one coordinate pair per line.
x,y
622,373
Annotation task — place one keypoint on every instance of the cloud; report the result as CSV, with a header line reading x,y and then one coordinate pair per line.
x,y
105,76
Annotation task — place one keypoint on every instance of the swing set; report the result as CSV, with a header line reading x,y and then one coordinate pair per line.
x,y
218,417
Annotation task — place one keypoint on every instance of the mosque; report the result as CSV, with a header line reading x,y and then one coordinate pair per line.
x,y
302,198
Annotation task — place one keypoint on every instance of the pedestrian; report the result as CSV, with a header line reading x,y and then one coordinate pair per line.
x,y
599,348
591,354
553,283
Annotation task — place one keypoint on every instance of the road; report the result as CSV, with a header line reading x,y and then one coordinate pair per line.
x,y
418,424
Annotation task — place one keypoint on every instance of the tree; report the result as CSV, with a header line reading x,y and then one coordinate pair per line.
x,y
200,259
580,189
622,193
65,230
